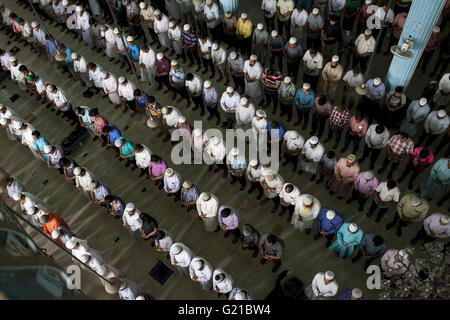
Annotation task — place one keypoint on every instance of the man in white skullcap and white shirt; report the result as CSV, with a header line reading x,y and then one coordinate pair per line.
x,y
110,44
120,45
259,128
395,262
307,209
229,102
331,75
235,64
323,286
222,282
365,44
312,153
54,154
272,183
199,140
288,199
62,234
174,34
17,76
126,289
26,132
219,58
292,146
161,26
164,241
253,174
435,226
126,93
252,74
207,207
180,257
170,117
298,24
80,68
259,41
92,260
147,60
83,179
147,15
82,24
142,156
172,183
27,205
5,60
217,152
201,272
244,114
95,75
39,37
78,247
131,219
435,124
13,186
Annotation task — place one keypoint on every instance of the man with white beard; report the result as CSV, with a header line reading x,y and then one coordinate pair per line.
x,y
272,183
252,74
222,282
259,127
174,34
82,24
244,114
180,257
307,209
312,153
161,26
201,271
216,152
229,102
83,179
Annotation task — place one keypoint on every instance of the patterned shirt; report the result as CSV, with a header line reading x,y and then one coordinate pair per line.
x,y
233,293
177,76
162,66
399,147
339,120
274,79
237,163
189,38
191,195
287,91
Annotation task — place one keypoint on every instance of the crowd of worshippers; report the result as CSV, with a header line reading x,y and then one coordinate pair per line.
x,y
251,80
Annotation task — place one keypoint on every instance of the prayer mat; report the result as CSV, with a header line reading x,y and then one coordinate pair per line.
x,y
160,272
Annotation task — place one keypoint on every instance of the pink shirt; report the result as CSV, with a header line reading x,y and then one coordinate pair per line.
x,y
400,22
419,162
358,128
16,27
365,187
346,174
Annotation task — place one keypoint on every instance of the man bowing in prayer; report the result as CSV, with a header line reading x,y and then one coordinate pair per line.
x,y
348,236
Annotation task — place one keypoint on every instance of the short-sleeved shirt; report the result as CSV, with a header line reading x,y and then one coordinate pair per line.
x,y
114,134
275,249
149,223
118,207
388,194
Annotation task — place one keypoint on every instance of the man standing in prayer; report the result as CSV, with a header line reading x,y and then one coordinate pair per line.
x,y
328,223
348,237
229,222
345,172
323,286
180,257
306,211
312,154
410,209
372,246
437,181
436,226
207,208
271,248
363,188
201,272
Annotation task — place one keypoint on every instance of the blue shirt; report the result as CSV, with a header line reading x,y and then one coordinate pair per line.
x,y
140,101
237,163
210,95
118,207
376,92
274,133
177,76
306,3
330,226
305,99
346,295
115,134
40,144
134,51
50,47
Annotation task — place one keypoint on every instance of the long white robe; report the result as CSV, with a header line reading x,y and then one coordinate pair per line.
x,y
111,85
82,23
226,285
313,154
204,276
96,76
175,38
244,116
308,214
148,59
110,41
253,89
161,28
183,259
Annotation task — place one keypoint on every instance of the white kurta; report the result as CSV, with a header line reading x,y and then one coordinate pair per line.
x,y
313,154
319,287
175,38
226,285
290,197
148,59
111,86
307,214
216,152
84,181
253,89
204,276
259,127
96,76
276,184
133,221
244,116
172,117
82,23
183,259
143,158
161,28
110,41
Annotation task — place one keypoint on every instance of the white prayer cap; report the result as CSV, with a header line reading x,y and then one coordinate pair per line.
x,y
331,214
208,2
234,151
233,55
16,196
244,101
70,244
79,9
174,63
104,74
113,286
157,12
48,148
3,121
84,258
308,200
181,119
376,81
215,46
17,125
94,184
368,1
253,57
368,32
294,135
130,38
442,113
244,15
197,132
335,58
159,56
293,40
130,206
357,293
207,84
122,79
274,33
260,26
306,86
197,264
142,5
329,275
230,90
116,31
423,101
253,163
187,27
140,298
353,227
34,24
261,113
77,171
49,87
415,201
74,55
12,59
56,234
118,143
215,140
205,196
187,184
402,253
239,296
436,29
169,172
2,106
287,80
315,11
171,24
369,175
175,249
65,2
164,110
313,140
445,219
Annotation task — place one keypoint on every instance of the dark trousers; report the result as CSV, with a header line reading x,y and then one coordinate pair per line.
x,y
410,168
256,186
239,82
276,56
153,34
181,90
374,153
355,139
358,197
303,115
216,32
441,147
284,25
362,62
316,43
276,202
443,64
329,237
71,115
428,137
292,69
312,80
399,222
163,80
292,158
214,112
270,23
242,180
381,211
208,63
286,108
290,209
337,133
394,165
423,235
235,232
272,97
318,123
359,255
245,46
198,102
132,104
191,55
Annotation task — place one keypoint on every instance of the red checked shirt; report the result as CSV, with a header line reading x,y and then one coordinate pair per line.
x,y
339,120
399,147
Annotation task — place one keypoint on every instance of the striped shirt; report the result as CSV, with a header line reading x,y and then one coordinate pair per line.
x,y
399,147
191,195
189,38
274,79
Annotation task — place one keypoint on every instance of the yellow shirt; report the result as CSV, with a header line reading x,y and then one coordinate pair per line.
x,y
244,29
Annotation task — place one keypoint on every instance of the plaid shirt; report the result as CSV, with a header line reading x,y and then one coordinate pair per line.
x,y
400,147
339,120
